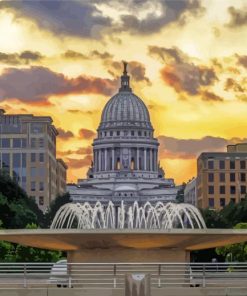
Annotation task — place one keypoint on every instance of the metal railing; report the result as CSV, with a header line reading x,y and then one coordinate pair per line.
x,y
112,275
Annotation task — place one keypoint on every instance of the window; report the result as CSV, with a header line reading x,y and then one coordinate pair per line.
x,y
33,143
132,133
6,161
33,157
41,186
242,177
5,143
222,202
37,128
24,160
139,133
16,143
211,164
210,189
232,177
232,164
211,202
210,177
118,133
41,143
222,189
242,165
232,189
233,200
111,133
41,200
41,157
33,186
24,143
145,134
222,177
222,164
243,189
33,172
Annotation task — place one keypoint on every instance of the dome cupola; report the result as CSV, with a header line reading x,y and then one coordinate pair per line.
x,y
125,108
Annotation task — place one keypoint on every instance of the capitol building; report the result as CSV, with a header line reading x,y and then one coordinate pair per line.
x,y
125,162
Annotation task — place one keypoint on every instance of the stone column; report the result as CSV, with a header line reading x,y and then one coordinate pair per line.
x,y
145,159
99,159
105,159
113,159
137,158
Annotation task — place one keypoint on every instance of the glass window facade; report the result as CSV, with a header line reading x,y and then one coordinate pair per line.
x,y
33,157
17,143
222,164
210,189
222,202
210,164
232,177
243,177
242,164
41,157
5,143
222,189
232,164
211,202
222,177
210,177
232,189
243,189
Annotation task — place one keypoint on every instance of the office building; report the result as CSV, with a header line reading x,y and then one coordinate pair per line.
x,y
190,192
28,155
221,177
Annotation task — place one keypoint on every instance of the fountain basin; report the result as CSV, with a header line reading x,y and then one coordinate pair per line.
x,y
125,245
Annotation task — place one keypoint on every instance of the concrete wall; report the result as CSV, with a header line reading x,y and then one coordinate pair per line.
x,y
120,292
112,255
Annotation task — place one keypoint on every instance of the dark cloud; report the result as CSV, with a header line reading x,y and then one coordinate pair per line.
x,y
64,135
77,18
232,84
85,19
74,163
136,70
210,96
86,133
25,57
181,73
242,60
38,83
238,17
174,148
76,111
80,151
170,11
70,54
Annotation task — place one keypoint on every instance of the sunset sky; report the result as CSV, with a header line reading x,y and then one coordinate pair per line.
x,y
187,61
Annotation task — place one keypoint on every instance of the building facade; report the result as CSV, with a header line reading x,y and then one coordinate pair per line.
x,y
125,155
190,192
222,177
28,155
61,171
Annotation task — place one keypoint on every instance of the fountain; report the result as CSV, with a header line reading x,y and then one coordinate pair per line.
x,y
158,216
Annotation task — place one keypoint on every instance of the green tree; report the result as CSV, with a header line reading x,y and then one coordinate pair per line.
x,y
55,205
16,208
235,252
